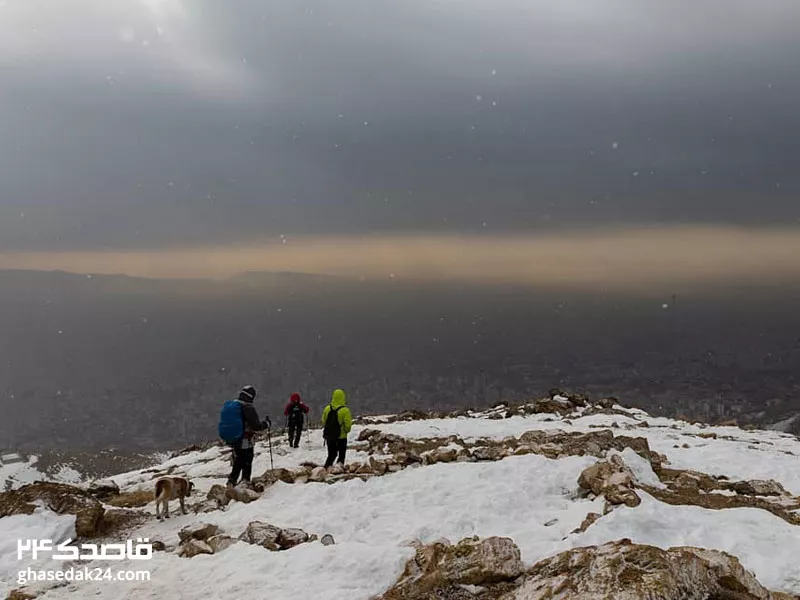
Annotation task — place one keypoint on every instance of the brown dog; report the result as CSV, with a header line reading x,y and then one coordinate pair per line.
x,y
171,488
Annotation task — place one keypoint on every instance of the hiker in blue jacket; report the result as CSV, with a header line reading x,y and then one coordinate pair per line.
x,y
243,447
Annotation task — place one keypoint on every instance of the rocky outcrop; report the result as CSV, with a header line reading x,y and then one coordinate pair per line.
x,y
19,594
219,495
103,490
218,543
612,479
626,571
274,538
717,493
61,499
197,531
192,548
491,570
195,539
442,570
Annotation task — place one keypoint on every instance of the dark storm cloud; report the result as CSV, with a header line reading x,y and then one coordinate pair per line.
x,y
169,123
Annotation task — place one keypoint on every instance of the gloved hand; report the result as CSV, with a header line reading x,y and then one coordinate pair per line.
x,y
267,423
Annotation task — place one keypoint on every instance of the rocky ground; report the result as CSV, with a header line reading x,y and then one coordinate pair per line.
x,y
561,497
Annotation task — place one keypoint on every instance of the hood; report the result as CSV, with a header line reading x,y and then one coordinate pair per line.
x,y
339,399
295,398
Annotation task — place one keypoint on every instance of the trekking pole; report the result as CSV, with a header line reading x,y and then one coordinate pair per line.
x,y
269,440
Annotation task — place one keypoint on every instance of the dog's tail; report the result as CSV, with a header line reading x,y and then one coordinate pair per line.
x,y
161,488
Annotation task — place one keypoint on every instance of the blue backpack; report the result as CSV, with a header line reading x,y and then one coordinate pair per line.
x,y
231,422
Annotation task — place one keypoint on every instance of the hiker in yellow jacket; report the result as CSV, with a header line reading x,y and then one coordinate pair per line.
x,y
337,423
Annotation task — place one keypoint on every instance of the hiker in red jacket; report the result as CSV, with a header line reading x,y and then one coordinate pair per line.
x,y
295,412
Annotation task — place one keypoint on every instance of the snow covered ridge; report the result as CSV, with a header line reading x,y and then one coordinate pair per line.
x,y
563,483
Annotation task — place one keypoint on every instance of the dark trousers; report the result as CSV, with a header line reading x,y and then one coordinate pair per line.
x,y
295,430
336,448
242,463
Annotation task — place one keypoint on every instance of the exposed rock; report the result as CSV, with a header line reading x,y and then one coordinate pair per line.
x,y
194,547
610,478
608,402
158,546
489,453
757,487
327,540
60,498
218,543
557,405
289,538
187,450
365,469
274,475
218,494
444,455
587,522
336,469
625,571
197,531
319,474
439,570
18,594
378,466
242,493
262,534
368,434
102,490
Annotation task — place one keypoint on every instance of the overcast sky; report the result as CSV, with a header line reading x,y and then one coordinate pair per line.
x,y
146,124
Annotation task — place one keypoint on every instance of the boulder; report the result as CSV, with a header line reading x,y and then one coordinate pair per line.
x,y
218,543
610,478
368,434
757,487
319,475
219,494
440,455
327,540
440,570
378,466
194,547
556,405
242,493
274,475
289,538
262,534
197,531
158,546
608,403
18,594
61,499
626,571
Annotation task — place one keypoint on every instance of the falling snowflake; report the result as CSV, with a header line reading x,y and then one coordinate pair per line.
x,y
494,71
479,98
615,145
636,173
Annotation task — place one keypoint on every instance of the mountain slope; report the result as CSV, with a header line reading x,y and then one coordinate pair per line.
x,y
497,473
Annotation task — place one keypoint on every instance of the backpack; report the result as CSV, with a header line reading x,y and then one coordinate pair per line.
x,y
231,422
295,414
332,428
